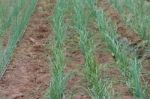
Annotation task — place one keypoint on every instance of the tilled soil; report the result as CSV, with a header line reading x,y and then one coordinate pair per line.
x,y
27,76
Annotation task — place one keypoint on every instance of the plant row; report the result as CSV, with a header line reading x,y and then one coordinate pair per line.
x,y
136,14
59,78
14,19
98,87
130,67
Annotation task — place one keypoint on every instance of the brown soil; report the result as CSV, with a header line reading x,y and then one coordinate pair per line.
x,y
77,88
27,76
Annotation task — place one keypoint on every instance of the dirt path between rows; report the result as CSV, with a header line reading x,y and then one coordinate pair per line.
x,y
27,76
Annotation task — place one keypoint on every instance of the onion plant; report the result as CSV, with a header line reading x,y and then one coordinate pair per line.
x,y
110,36
135,80
135,15
91,4
17,30
129,66
9,11
59,78
97,86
